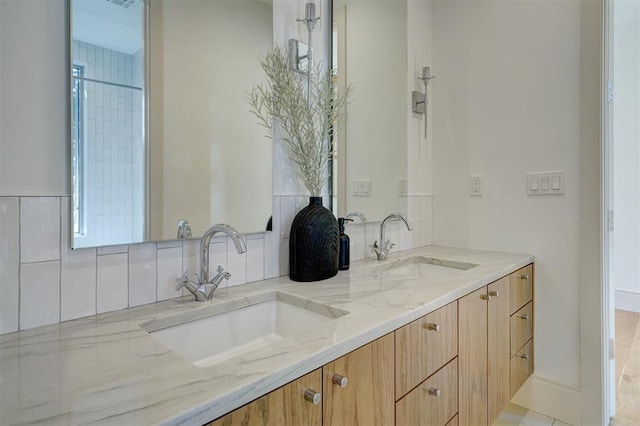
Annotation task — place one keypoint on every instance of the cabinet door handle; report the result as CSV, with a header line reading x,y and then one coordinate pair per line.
x,y
339,380
524,356
434,392
485,297
433,327
312,396
524,277
494,294
524,317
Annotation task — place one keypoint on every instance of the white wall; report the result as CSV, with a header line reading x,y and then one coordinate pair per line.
x,y
625,272
419,55
34,89
508,98
376,131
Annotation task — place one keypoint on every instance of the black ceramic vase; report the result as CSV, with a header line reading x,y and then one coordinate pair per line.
x,y
313,243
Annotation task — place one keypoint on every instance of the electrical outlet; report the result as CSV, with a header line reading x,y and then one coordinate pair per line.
x,y
475,186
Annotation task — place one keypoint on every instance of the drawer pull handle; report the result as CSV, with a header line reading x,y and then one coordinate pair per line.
x,y
524,356
524,277
524,317
312,396
494,294
435,392
485,297
433,327
340,380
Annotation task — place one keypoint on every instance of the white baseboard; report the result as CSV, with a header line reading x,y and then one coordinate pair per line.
x,y
628,301
550,398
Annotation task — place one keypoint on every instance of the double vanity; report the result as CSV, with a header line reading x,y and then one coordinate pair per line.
x,y
433,335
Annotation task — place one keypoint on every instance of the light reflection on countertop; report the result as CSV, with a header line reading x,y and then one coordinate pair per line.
x,y
106,369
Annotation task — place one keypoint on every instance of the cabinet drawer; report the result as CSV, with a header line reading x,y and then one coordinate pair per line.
x,y
521,327
521,366
425,345
521,287
434,402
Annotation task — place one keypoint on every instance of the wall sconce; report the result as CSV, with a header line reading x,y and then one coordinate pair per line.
x,y
419,100
299,56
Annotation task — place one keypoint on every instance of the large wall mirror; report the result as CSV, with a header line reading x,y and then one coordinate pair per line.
x,y
370,52
161,131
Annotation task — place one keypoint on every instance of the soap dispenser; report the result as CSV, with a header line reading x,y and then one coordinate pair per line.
x,y
343,259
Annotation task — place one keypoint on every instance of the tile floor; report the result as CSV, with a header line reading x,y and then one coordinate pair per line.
x,y
627,379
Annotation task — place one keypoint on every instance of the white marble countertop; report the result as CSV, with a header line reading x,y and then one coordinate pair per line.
x,y
107,370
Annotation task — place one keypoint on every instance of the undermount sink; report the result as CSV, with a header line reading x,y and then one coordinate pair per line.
x,y
216,333
422,267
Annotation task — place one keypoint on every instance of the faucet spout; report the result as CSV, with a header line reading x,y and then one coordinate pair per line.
x,y
382,250
231,232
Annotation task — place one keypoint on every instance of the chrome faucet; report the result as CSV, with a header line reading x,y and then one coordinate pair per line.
x,y
382,251
202,288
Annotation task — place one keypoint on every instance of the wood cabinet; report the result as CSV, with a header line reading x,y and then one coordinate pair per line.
x,y
367,398
458,365
494,324
286,406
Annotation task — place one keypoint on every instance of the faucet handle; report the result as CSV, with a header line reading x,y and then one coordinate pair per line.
x,y
221,275
374,246
182,280
388,245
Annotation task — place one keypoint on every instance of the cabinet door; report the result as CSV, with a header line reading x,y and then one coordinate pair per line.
x,y
368,397
425,345
472,358
285,406
499,354
434,402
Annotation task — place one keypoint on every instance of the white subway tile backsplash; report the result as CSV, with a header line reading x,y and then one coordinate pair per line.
x,y
39,294
76,283
169,268
142,274
255,259
237,265
9,264
284,256
287,213
39,229
112,288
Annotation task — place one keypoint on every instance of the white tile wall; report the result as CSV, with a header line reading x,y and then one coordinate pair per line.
x,y
142,274
39,229
53,283
112,289
39,294
9,264
169,268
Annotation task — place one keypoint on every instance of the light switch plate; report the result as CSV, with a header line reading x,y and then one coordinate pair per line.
x,y
362,187
545,183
